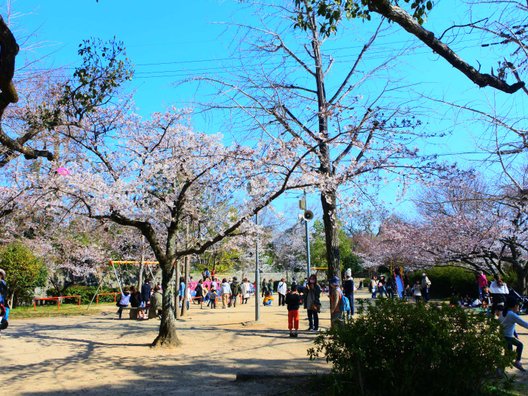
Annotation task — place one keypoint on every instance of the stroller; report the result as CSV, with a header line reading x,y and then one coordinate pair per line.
x,y
523,301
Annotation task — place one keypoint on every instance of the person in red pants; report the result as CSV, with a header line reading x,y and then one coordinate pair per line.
x,y
293,302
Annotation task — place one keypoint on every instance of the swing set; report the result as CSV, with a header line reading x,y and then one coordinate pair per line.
x,y
115,263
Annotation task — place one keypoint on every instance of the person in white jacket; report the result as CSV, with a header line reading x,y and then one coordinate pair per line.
x,y
499,292
282,289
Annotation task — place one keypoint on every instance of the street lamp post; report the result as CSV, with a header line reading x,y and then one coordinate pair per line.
x,y
257,275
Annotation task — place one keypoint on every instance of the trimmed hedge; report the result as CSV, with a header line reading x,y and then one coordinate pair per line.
x,y
448,281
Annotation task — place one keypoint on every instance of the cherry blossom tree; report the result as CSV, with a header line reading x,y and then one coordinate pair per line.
x,y
32,110
477,225
160,177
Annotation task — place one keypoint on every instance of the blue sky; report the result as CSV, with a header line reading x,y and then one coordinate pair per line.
x,y
170,40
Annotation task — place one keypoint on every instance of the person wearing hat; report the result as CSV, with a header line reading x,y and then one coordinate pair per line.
x,y
336,316
235,291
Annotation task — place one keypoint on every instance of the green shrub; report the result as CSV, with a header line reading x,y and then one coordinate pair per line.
x,y
86,293
24,272
397,348
446,281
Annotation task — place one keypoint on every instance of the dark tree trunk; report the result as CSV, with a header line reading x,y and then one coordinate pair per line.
x,y
328,201
167,336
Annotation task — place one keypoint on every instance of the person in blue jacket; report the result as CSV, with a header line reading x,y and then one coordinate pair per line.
x,y
509,318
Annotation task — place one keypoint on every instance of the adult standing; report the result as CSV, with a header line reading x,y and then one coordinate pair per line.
x,y
145,291
348,289
235,291
482,282
426,285
282,289
226,292
312,302
264,287
199,293
374,285
335,294
499,293
245,289
270,287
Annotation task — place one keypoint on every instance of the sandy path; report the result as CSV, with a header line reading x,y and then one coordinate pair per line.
x,y
102,355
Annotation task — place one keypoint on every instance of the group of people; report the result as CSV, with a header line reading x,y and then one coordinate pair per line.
x,y
397,285
309,296
145,303
228,291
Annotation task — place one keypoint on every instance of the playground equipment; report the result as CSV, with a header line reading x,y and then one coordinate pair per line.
x,y
115,263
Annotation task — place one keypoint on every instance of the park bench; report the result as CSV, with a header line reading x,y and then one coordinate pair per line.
x,y
58,299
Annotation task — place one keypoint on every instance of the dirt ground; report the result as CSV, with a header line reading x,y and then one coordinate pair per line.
x,y
101,355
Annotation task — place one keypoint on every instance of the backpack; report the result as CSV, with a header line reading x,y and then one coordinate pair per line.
x,y
344,304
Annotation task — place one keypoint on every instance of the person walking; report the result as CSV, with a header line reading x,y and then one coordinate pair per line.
x,y
245,288
235,291
312,302
293,302
509,318
226,292
282,289
348,290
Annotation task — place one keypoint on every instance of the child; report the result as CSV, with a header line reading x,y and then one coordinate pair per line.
x,y
212,297
417,291
268,298
293,302
508,318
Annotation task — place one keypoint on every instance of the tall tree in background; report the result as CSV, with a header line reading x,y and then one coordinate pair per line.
x,y
294,95
511,32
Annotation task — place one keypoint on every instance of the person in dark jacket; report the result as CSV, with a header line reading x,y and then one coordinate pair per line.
x,y
293,302
145,291
312,302
348,290
235,291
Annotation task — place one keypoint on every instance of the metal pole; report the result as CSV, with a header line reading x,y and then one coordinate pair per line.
x,y
308,264
257,276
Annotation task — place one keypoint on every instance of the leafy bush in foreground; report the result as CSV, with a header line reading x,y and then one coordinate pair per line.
x,y
398,348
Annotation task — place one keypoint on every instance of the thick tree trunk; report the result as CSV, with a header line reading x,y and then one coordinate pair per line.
x,y
167,337
328,201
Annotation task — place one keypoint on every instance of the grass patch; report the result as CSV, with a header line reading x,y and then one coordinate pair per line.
x,y
51,311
